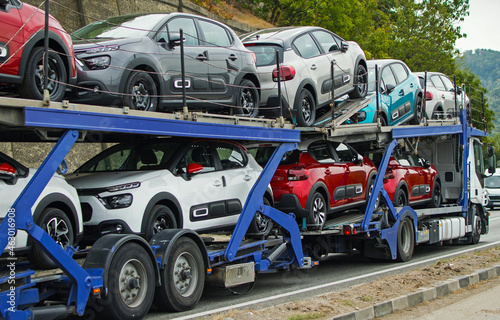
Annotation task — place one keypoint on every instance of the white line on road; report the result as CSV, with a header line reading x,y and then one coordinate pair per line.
x,y
284,295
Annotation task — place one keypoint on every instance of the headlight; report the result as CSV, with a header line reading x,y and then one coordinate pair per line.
x,y
101,49
126,186
97,63
117,202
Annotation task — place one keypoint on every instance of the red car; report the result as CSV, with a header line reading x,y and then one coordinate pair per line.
x,y
22,48
410,179
319,178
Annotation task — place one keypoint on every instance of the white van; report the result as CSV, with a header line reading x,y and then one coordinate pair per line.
x,y
492,185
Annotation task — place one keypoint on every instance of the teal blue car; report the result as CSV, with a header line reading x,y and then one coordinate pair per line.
x,y
400,95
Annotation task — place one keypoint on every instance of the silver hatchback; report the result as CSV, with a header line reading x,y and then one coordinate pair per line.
x,y
306,55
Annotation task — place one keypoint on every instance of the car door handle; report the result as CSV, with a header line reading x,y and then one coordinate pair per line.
x,y
327,172
401,93
247,177
314,67
232,57
411,85
443,97
201,57
217,183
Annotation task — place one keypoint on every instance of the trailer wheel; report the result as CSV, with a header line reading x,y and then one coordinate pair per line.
x,y
400,198
182,278
436,195
406,240
317,211
131,284
59,228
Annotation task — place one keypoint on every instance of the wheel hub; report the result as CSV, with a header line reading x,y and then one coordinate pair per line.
x,y
58,230
140,96
131,277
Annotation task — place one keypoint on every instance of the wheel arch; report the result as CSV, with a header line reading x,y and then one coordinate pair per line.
x,y
308,85
104,249
166,199
142,64
321,188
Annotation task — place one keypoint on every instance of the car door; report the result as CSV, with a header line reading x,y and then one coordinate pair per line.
x,y
355,178
195,57
450,94
223,62
389,94
422,187
316,63
331,46
445,97
11,23
202,192
406,89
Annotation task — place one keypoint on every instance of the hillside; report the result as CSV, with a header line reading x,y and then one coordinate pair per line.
x,y
486,65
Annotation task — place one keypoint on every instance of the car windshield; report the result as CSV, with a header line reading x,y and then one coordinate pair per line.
x,y
135,157
262,155
265,54
130,26
492,182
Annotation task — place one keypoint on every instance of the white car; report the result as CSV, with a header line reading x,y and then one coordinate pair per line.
x,y
57,210
492,186
440,95
147,186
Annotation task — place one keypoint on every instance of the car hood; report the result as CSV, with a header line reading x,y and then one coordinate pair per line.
x,y
107,179
84,44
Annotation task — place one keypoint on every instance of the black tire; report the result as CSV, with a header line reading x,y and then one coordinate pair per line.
x,y
159,218
400,198
59,227
182,278
306,109
131,283
369,188
261,225
438,113
417,111
406,240
383,121
140,92
475,236
248,102
436,195
360,83
32,85
316,215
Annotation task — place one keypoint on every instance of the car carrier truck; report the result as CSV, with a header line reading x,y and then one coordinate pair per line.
x,y
122,273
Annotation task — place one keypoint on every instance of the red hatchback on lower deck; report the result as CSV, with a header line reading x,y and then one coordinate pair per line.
x,y
319,178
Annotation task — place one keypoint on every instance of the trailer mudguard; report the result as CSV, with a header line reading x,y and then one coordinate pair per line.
x,y
164,241
104,249
391,234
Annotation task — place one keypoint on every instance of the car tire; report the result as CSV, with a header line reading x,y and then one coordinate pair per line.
x,y
33,81
400,198
160,218
261,225
435,201
369,188
306,109
360,83
248,100
57,224
417,112
317,212
140,92
383,121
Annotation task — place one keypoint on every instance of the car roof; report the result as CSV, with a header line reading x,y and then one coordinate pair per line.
x,y
382,62
282,36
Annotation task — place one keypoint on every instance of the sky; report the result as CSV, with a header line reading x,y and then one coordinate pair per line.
x,y
481,26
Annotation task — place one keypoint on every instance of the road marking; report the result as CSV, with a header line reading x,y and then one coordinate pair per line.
x,y
284,295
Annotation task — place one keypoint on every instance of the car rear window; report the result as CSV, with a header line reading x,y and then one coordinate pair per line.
x,y
265,53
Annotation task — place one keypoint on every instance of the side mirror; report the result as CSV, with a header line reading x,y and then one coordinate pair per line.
x,y
427,163
4,3
344,46
359,159
194,168
174,39
7,172
390,88
492,161
393,162
458,90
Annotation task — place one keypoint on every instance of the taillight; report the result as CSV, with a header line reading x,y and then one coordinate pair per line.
x,y
389,174
298,173
286,73
349,229
428,96
254,57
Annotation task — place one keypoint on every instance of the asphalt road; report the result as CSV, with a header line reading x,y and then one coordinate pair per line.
x,y
338,272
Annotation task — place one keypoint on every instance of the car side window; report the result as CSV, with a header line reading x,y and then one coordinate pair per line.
x,y
113,162
400,71
320,150
306,47
448,83
197,153
344,153
436,82
231,156
214,34
326,41
387,78
188,28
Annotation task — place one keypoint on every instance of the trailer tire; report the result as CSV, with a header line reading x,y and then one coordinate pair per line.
x,y
57,224
317,211
129,297
182,277
406,240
